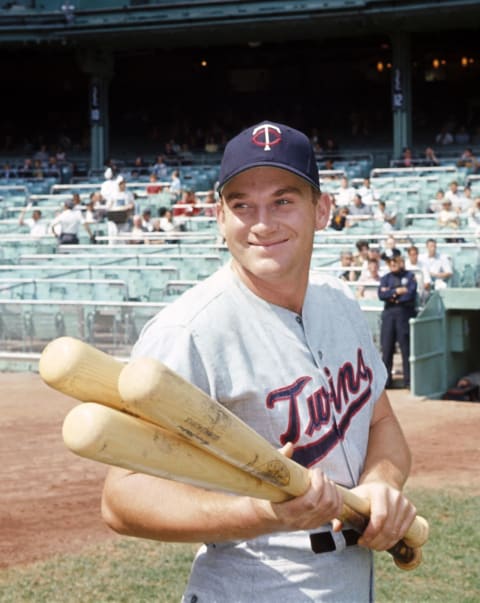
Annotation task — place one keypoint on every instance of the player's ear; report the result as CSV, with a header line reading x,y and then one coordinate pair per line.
x,y
323,207
220,213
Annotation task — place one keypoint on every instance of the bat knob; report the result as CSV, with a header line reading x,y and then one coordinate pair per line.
x,y
411,563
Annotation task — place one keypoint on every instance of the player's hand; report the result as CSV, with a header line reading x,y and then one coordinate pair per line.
x,y
318,506
391,514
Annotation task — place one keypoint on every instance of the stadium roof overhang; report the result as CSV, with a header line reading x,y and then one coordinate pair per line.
x,y
208,23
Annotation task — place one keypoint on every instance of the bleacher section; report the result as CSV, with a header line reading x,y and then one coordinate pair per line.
x,y
104,293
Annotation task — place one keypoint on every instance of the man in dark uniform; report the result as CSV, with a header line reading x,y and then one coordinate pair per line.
x,y
398,289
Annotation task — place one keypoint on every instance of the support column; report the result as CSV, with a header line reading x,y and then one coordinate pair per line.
x,y
401,92
99,65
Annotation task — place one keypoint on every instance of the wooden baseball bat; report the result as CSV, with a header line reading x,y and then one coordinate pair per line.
x,y
110,436
83,372
151,390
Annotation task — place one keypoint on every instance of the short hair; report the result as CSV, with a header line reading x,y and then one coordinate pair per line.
x,y
361,243
431,241
412,248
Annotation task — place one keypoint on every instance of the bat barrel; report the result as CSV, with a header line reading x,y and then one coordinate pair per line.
x,y
79,370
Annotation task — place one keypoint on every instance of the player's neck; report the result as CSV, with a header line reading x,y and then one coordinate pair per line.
x,y
289,294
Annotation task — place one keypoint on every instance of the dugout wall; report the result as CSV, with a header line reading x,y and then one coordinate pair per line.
x,y
445,341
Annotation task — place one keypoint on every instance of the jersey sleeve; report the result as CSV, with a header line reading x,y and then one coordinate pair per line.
x,y
174,346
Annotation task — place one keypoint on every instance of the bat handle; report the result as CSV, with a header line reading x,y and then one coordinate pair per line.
x,y
417,533
406,557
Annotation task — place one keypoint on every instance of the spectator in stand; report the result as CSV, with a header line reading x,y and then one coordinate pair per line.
x,y
330,167
38,169
38,227
407,158
41,155
109,187
170,151
369,280
186,154
368,194
122,198
52,169
438,265
462,136
77,201
210,201
8,171
167,223
137,232
358,211
415,265
430,158
468,160
387,218
345,193
447,217
146,222
339,217
99,205
160,168
473,214
360,259
211,146
374,253
436,204
331,145
66,225
344,267
153,186
61,155
187,206
139,168
26,171
121,208
175,187
90,214
444,137
461,200
389,248
466,200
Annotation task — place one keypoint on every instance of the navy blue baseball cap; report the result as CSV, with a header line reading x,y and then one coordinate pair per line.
x,y
269,144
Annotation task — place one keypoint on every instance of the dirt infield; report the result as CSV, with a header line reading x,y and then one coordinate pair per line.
x,y
50,499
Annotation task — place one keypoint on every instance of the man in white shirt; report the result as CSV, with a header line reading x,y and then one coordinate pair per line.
x,y
415,265
438,265
109,187
67,224
37,226
345,194
368,194
459,200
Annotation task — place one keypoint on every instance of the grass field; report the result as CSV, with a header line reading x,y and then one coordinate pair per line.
x,y
136,571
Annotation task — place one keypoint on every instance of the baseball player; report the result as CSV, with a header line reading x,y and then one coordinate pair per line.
x,y
292,356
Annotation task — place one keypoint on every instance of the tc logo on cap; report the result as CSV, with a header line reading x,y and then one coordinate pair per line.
x,y
266,135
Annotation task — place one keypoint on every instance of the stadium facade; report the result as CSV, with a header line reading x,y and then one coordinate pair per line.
x,y
377,72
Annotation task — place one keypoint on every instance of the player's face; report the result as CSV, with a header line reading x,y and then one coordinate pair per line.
x,y
268,217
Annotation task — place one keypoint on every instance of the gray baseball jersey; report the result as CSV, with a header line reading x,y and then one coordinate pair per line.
x,y
311,380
